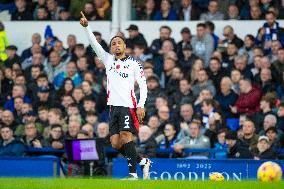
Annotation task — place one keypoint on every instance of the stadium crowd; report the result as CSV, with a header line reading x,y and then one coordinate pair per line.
x,y
205,91
185,10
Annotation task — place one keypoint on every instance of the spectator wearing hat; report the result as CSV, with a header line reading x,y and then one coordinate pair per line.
x,y
135,37
236,150
264,150
9,146
12,56
188,11
44,97
187,59
185,41
29,117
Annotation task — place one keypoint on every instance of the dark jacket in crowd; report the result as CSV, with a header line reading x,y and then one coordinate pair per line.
x,y
239,152
14,148
138,40
225,102
147,148
267,154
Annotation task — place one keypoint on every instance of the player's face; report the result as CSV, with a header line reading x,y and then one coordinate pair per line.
x,y
117,46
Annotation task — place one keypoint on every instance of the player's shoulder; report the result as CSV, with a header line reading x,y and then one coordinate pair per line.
x,y
134,60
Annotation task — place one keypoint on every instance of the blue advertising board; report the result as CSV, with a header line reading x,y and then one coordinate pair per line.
x,y
193,169
29,167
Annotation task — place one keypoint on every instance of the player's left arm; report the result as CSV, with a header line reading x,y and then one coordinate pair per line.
x,y
141,80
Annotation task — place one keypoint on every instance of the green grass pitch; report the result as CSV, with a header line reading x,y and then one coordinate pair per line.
x,y
76,183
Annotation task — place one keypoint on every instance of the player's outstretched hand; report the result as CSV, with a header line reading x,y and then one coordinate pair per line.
x,y
83,20
140,114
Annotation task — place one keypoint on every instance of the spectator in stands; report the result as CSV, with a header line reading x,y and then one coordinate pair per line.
x,y
89,129
203,83
216,72
264,150
270,120
275,31
44,97
249,99
250,137
54,66
18,91
42,14
236,150
191,138
227,97
54,117
53,9
22,12
274,139
213,13
276,45
71,43
169,140
140,53
92,119
90,12
7,119
12,56
221,144
28,117
202,43
146,144
71,72
9,146
73,129
204,94
31,137
165,34
3,43
280,117
166,12
188,11
266,83
210,27
186,115
55,138
148,11
208,107
103,8
135,37
279,62
248,48
183,95
233,13
102,130
38,4
231,37
43,116
185,41
36,39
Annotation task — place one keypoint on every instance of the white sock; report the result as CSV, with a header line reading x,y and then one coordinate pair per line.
x,y
134,175
143,161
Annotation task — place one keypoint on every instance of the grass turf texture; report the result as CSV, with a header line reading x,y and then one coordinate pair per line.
x,y
76,183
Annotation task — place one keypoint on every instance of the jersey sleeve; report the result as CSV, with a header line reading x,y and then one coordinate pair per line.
x,y
141,80
101,53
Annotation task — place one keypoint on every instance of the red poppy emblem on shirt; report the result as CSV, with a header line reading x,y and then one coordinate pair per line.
x,y
117,67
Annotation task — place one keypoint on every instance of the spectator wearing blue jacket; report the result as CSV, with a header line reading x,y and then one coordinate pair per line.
x,y
166,12
18,91
71,72
9,146
221,144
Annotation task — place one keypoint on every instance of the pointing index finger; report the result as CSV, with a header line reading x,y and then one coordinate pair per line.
x,y
82,14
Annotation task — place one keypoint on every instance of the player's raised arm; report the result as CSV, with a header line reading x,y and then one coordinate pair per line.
x,y
101,53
